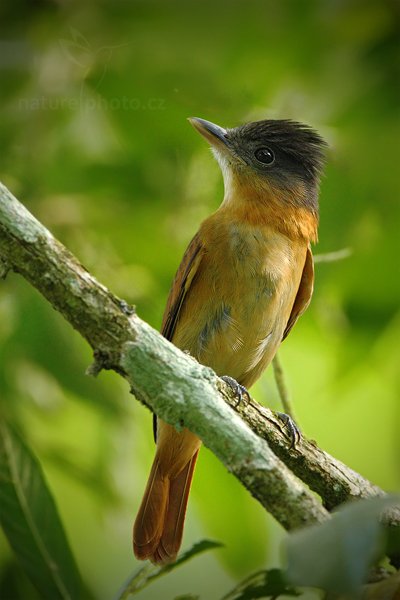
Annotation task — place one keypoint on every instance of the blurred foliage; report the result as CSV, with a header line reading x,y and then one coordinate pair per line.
x,y
148,573
31,522
94,139
263,584
337,555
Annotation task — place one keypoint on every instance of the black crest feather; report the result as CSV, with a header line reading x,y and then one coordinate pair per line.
x,y
300,142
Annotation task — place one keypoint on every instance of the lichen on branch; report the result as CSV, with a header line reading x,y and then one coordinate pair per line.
x,y
248,439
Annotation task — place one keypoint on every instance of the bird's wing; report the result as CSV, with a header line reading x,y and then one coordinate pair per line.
x,y
181,284
304,293
179,288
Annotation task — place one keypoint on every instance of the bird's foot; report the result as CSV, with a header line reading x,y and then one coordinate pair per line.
x,y
293,432
239,390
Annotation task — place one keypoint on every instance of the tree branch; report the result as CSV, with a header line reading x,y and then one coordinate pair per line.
x,y
174,385
331,479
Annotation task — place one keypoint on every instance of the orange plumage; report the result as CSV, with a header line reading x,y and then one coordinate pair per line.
x,y
243,282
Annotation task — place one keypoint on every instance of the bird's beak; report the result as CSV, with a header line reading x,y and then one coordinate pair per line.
x,y
216,135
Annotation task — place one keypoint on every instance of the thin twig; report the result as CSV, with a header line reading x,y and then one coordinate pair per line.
x,y
283,389
333,256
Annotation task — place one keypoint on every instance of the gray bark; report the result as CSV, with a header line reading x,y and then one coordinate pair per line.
x,y
248,439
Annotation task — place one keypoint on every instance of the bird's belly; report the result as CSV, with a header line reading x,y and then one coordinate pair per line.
x,y
235,316
244,338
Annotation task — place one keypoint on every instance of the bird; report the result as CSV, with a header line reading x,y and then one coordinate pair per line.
x,y
244,280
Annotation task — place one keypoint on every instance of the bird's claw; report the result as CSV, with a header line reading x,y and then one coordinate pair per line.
x,y
293,432
239,390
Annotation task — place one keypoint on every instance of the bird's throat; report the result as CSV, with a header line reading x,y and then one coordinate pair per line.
x,y
271,207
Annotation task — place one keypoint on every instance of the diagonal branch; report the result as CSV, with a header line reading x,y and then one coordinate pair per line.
x,y
334,481
175,386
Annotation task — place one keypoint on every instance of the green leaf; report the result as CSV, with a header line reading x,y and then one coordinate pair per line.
x,y
145,575
336,555
198,548
30,520
262,584
393,545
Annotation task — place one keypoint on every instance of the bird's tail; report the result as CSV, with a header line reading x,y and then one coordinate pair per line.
x,y
158,529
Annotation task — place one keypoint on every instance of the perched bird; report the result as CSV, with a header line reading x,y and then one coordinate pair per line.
x,y
245,278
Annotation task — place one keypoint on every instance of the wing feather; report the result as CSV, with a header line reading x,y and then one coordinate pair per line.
x,y
304,293
181,285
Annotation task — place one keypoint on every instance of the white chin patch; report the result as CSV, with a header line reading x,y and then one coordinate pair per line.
x,y
225,167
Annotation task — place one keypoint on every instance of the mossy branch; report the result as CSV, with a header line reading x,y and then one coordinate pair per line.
x,y
174,385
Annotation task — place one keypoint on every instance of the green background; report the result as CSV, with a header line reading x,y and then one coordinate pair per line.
x,y
94,140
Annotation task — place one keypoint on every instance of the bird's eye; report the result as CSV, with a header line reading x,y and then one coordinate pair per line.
x,y
265,156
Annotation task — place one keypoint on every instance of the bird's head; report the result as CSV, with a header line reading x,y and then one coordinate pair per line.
x,y
282,159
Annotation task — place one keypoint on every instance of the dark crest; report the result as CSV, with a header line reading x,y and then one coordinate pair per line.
x,y
295,144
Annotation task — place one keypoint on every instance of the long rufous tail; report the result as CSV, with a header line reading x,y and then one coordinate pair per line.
x,y
158,529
